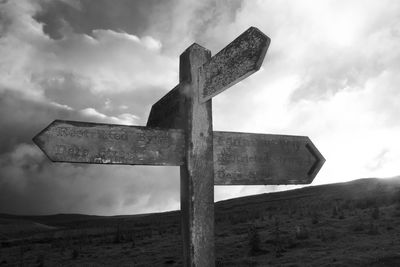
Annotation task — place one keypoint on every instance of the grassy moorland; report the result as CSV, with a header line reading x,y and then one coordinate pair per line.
x,y
348,224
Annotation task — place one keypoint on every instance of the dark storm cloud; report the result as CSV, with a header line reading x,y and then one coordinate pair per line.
x,y
22,118
84,16
177,23
31,184
110,77
69,90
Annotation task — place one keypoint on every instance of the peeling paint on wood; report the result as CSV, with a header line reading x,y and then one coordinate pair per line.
x,y
235,62
82,142
264,159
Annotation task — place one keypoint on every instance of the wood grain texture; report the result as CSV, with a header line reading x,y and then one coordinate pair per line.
x,y
168,111
83,142
264,159
236,61
197,180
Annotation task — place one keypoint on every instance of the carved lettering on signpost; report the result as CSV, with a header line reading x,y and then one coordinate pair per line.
x,y
71,141
243,158
235,62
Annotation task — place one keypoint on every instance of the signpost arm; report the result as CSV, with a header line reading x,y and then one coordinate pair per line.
x,y
197,177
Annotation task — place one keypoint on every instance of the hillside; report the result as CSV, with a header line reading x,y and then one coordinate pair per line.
x,y
347,224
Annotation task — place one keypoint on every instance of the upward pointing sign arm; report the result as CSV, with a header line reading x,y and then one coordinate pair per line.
x,y
235,62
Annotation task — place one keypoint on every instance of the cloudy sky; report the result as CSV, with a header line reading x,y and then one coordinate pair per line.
x,y
332,72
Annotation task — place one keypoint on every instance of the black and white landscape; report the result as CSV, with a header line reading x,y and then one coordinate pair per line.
x,y
330,75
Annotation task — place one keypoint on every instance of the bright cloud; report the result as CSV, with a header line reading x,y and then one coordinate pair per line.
x,y
331,73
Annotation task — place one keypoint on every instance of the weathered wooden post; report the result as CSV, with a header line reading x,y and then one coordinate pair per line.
x,y
197,174
179,133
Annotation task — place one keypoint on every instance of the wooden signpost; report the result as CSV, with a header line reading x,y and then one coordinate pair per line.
x,y
179,132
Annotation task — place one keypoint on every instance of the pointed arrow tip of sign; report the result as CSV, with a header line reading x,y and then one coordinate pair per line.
x,y
196,46
266,40
319,160
39,142
255,29
35,139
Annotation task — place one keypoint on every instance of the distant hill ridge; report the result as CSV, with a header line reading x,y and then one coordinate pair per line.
x,y
356,188
353,189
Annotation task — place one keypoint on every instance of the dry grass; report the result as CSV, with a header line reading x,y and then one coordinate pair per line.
x,y
352,224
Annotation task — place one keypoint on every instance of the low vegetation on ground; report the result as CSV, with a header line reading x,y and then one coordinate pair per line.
x,y
348,224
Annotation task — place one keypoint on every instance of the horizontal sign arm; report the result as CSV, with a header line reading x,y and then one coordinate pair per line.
x,y
239,158
260,159
83,142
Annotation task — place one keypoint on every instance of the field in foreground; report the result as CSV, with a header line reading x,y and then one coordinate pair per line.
x,y
348,224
